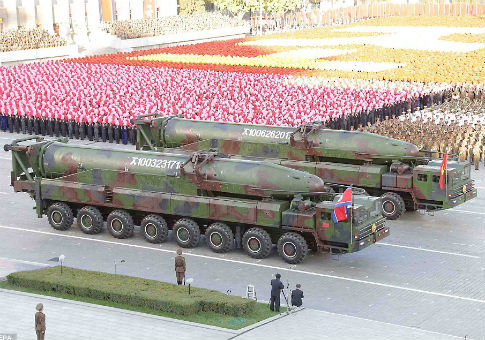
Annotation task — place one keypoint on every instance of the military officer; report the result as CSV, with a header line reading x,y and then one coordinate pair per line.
x,y
180,267
40,321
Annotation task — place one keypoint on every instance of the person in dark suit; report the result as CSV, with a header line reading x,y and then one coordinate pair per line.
x,y
276,287
40,322
296,296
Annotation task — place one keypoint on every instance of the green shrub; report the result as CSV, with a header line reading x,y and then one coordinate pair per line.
x,y
132,291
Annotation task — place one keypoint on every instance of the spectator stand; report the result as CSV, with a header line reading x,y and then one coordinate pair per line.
x,y
32,44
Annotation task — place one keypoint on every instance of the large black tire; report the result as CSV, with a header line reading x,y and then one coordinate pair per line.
x,y
292,247
257,243
154,229
90,220
186,233
60,216
219,237
392,205
120,224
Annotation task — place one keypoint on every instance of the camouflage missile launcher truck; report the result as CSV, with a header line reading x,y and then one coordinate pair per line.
x,y
392,169
251,203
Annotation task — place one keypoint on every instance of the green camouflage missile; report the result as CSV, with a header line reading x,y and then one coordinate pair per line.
x,y
394,170
307,141
256,203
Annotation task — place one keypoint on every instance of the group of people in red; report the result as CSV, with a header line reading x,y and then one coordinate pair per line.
x,y
98,101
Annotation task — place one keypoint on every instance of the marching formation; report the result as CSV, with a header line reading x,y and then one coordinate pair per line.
x,y
457,126
27,39
93,96
131,29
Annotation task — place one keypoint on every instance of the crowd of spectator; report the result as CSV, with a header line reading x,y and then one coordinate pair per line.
x,y
117,93
130,29
27,39
456,126
77,99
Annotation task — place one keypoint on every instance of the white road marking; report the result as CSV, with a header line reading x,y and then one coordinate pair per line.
x,y
26,262
388,323
467,212
343,278
428,250
6,158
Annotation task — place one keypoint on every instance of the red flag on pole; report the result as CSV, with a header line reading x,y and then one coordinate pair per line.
x,y
443,170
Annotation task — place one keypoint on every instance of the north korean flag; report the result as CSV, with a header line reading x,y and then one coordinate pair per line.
x,y
340,210
443,170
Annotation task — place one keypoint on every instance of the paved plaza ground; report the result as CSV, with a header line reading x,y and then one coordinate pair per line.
x,y
76,320
425,281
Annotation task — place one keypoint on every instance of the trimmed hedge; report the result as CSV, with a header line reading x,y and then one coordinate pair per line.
x,y
132,291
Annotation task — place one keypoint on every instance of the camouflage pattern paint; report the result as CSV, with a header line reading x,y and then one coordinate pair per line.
x,y
338,157
201,186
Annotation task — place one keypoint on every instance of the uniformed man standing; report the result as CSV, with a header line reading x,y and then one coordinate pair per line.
x,y
40,322
276,287
179,267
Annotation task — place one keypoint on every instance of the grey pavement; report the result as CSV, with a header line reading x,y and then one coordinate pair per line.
x,y
428,274
75,320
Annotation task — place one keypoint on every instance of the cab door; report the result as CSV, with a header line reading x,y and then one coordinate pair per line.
x,y
422,185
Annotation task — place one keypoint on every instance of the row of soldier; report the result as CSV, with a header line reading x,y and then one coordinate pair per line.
x,y
53,127
457,126
26,39
130,29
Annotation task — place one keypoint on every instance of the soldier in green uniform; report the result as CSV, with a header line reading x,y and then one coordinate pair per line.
x,y
179,266
40,322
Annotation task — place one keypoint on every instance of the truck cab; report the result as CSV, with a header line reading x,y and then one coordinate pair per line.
x,y
458,186
363,227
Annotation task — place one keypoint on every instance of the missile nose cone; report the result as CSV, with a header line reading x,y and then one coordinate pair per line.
x,y
412,150
316,184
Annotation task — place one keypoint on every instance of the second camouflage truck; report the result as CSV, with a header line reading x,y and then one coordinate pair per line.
x,y
251,203
392,169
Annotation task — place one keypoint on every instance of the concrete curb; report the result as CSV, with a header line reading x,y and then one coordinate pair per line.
x,y
40,53
266,321
119,310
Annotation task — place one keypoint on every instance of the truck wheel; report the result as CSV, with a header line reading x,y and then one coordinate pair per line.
x,y
292,247
219,237
120,224
90,220
257,243
154,229
60,216
187,233
392,205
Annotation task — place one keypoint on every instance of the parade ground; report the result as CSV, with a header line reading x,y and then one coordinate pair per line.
x,y
425,281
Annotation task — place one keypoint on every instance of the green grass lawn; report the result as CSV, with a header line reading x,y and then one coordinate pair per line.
x,y
260,312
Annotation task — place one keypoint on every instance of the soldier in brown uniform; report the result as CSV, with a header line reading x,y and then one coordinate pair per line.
x,y
476,156
179,266
40,322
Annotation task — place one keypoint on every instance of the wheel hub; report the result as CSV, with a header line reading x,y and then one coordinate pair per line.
x,y
254,245
216,239
86,221
289,249
183,234
117,225
151,230
389,207
56,217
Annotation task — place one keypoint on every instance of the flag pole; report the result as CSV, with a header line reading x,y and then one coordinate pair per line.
x,y
446,174
351,215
